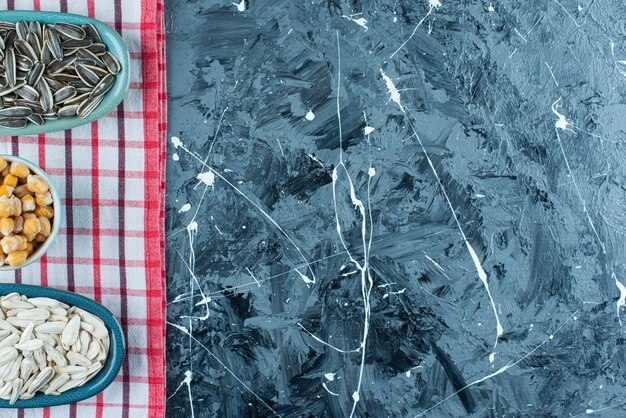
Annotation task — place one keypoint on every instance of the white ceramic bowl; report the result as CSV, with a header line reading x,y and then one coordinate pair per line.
x,y
56,220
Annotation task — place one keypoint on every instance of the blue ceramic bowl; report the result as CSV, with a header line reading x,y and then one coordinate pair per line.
x,y
115,45
114,360
56,220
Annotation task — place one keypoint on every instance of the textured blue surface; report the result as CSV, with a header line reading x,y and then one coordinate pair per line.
x,y
57,206
485,143
114,43
111,368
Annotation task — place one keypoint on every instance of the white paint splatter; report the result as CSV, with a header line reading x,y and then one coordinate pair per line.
x,y
330,376
192,227
434,262
205,300
479,269
433,4
304,277
328,390
563,124
497,372
368,130
254,277
310,115
175,157
551,73
492,357
490,8
186,381
176,142
184,208
207,178
622,296
359,21
241,6
589,411
209,352
620,65
371,172
393,91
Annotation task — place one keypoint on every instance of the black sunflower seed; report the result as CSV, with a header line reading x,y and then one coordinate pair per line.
x,y
24,48
9,65
64,94
23,63
87,75
36,119
13,123
88,55
68,111
98,49
45,95
88,106
16,112
34,42
76,43
103,86
52,39
35,27
35,73
70,31
28,93
92,32
22,29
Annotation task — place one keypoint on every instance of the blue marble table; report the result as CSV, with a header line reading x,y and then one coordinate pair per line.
x,y
396,209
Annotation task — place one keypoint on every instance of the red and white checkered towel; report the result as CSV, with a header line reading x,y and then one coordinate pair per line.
x,y
110,175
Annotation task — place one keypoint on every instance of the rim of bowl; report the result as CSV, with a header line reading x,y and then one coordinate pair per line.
x,y
56,220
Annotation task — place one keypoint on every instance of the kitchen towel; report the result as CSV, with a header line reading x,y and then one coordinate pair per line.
x,y
110,175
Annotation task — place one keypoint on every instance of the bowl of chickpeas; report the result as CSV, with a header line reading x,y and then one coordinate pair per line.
x,y
30,212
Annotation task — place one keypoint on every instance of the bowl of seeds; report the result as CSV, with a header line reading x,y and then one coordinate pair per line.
x,y
58,71
30,212
56,347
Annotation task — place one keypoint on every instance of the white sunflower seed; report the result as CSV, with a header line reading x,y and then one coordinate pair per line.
x,y
56,327
7,354
40,359
29,345
71,384
70,369
42,378
36,314
10,340
58,318
57,382
78,359
70,333
41,302
15,391
15,303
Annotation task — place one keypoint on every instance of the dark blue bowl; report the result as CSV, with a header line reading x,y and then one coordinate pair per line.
x,y
117,349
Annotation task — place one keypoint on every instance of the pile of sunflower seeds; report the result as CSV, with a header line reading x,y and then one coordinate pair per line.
x,y
51,71
47,346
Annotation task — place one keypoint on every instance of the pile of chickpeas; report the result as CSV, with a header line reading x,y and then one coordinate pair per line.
x,y
26,212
